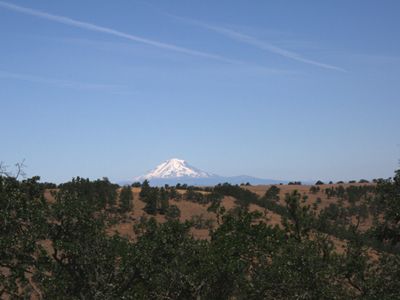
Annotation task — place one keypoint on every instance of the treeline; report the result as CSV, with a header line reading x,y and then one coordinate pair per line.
x,y
351,193
63,250
157,198
337,219
355,204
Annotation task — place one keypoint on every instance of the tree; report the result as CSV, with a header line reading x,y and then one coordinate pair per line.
x,y
272,193
294,183
314,189
173,194
64,249
144,192
387,229
23,214
83,262
152,200
173,213
164,202
126,198
106,191
136,184
299,220
19,170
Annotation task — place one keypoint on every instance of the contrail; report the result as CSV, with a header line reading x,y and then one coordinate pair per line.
x,y
235,35
93,27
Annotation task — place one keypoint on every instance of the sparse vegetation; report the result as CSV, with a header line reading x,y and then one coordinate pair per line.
x,y
63,249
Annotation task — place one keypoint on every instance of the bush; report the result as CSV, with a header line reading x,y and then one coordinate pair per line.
x,y
200,222
173,213
272,193
294,183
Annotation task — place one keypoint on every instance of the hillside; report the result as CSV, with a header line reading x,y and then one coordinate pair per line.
x,y
199,212
88,238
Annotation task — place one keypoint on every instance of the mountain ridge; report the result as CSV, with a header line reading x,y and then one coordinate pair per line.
x,y
177,170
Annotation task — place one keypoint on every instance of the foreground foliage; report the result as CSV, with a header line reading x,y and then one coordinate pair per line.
x,y
62,250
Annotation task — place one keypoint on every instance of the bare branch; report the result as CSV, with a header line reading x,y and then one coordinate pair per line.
x,y
19,170
3,169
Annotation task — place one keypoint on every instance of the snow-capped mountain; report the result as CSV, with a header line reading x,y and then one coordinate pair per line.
x,y
176,170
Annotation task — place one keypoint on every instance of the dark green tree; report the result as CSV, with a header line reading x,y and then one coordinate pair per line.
x,y
272,193
126,199
23,214
163,201
314,189
144,192
172,213
387,201
299,219
83,262
106,192
152,199
136,184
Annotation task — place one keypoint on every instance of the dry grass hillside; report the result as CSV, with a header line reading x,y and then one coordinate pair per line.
x,y
190,210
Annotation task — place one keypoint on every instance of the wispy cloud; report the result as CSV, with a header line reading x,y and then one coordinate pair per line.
x,y
117,33
60,82
250,40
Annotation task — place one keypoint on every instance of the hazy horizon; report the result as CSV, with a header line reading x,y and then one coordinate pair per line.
x,y
289,91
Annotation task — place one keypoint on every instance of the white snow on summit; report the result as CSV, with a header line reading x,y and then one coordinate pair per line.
x,y
175,168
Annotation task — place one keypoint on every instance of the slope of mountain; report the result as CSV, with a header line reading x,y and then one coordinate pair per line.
x,y
176,170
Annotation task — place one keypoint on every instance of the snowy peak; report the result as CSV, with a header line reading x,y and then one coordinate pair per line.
x,y
175,168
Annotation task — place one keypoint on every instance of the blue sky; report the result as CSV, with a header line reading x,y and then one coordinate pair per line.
x,y
276,89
